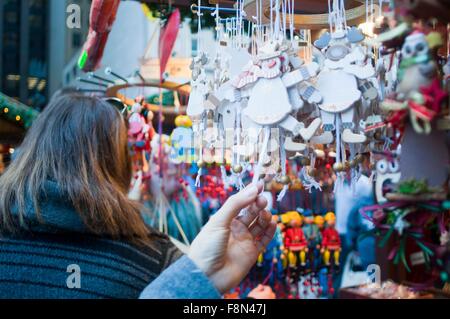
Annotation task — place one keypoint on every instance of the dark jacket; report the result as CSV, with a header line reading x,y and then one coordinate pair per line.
x,y
45,260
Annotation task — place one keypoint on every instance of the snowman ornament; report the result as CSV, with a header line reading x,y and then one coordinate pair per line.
x,y
272,92
272,85
344,71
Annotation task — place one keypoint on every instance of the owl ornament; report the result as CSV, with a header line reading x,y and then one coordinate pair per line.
x,y
415,110
418,95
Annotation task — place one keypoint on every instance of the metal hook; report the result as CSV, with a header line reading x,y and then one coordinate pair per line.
x,y
194,9
92,82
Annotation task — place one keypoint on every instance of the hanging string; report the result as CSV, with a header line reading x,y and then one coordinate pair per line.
x,y
283,167
237,23
308,181
217,15
199,172
199,27
291,20
277,20
336,15
262,155
339,159
262,29
271,18
241,22
353,175
284,10
343,14
367,10
372,12
330,16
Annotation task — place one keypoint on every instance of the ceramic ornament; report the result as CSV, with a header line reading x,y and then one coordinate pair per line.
x,y
274,95
343,74
273,87
199,87
417,69
196,108
387,170
415,110
182,140
223,133
418,93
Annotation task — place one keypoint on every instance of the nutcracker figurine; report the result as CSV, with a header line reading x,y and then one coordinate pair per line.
x,y
313,236
294,239
272,259
319,221
331,242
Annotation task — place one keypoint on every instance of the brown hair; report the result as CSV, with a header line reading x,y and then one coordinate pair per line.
x,y
80,143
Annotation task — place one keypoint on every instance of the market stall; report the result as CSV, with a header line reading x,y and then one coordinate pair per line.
x,y
341,108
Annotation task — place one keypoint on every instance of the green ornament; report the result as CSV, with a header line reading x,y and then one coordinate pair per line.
x,y
444,276
446,204
413,187
82,60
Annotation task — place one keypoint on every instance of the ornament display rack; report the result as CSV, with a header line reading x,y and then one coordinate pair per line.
x,y
118,89
341,115
170,111
313,14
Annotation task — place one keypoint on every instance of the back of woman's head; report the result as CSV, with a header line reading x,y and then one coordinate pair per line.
x,y
79,143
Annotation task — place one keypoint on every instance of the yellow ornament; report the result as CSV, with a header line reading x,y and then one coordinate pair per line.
x,y
434,40
183,121
329,216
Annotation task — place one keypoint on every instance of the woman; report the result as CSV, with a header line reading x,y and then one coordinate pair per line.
x,y
68,229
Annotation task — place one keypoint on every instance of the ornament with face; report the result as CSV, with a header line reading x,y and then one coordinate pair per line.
x,y
331,242
311,231
270,87
267,90
416,68
387,175
319,221
181,140
419,92
294,240
345,69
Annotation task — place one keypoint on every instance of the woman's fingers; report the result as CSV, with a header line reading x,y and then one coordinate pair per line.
x,y
267,236
261,223
253,211
235,204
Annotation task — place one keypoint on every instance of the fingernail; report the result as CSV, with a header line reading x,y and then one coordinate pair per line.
x,y
252,189
260,182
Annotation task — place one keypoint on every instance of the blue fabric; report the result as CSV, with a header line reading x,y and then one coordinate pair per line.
x,y
33,264
182,280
